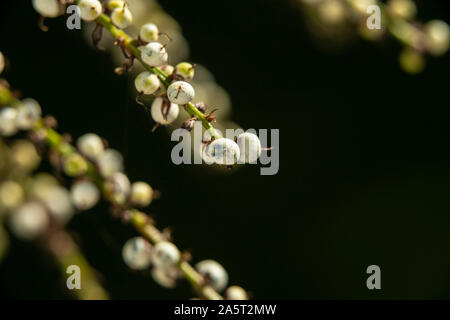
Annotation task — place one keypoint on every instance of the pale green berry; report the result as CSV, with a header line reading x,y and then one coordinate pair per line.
x,y
167,69
154,54
221,151
28,113
158,111
122,17
137,253
84,194
411,61
115,4
90,9
11,195
110,162
437,37
402,9
185,70
147,82
74,165
180,92
24,155
47,8
249,147
149,32
141,194
117,188
165,254
91,145
214,273
8,126
29,221
235,293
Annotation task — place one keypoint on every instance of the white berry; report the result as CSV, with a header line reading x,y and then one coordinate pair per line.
x,y
110,162
165,254
118,187
249,147
438,37
28,113
236,293
8,125
90,9
154,54
141,194
149,32
29,221
122,17
84,194
180,92
166,277
147,82
214,273
91,145
137,253
159,110
47,8
57,200
221,151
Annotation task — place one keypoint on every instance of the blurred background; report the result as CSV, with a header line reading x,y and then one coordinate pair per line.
x,y
364,159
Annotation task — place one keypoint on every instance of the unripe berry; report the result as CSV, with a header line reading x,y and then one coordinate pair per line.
x,y
236,293
117,188
154,54
221,151
137,253
84,194
24,155
158,111
110,162
185,70
8,125
74,165
90,9
149,32
214,273
180,92
402,9
147,82
141,194
47,8
249,147
411,61
165,254
114,4
91,146
28,113
29,221
438,37
122,17
11,195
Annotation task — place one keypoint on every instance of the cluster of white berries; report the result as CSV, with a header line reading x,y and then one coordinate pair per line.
x,y
22,117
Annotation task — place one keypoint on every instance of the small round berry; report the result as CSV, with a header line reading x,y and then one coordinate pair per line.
x,y
24,155
57,200
214,273
180,92
236,293
402,9
28,113
29,221
110,162
91,146
249,147
117,188
47,8
147,82
167,69
122,17
165,254
166,277
185,70
221,151
74,165
11,195
137,253
90,9
115,4
154,54
159,110
85,195
8,125
141,194
438,37
411,61
2,62
149,32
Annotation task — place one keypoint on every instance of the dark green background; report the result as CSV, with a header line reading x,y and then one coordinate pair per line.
x,y
365,158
